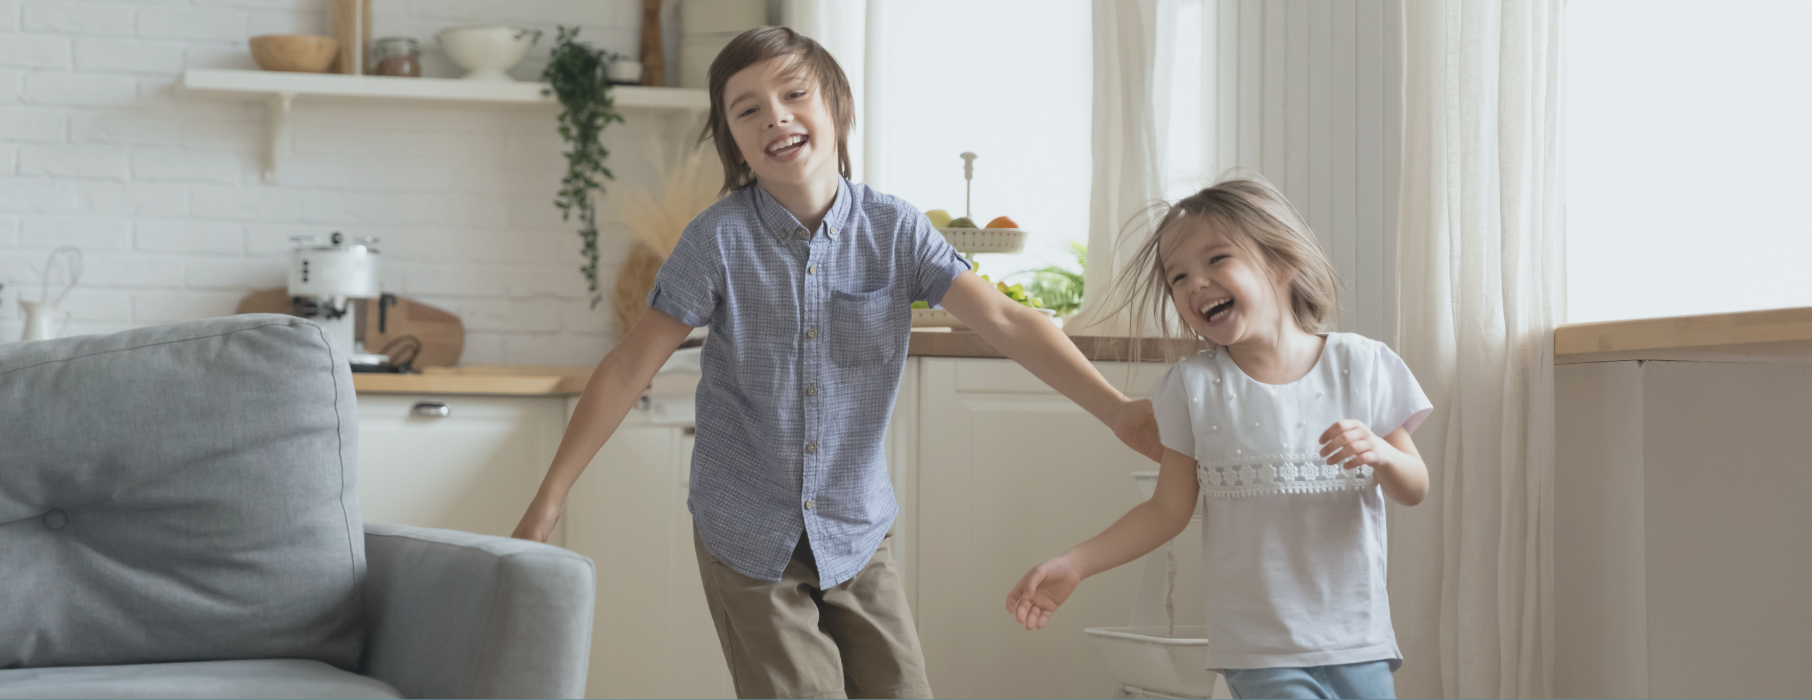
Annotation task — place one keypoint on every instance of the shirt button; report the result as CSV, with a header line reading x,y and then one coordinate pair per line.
x,y
801,233
811,390
809,503
811,270
811,447
811,332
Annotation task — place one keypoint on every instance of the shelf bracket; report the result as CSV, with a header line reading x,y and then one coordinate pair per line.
x,y
276,133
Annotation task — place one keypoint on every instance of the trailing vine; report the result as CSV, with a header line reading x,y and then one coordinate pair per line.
x,y
575,74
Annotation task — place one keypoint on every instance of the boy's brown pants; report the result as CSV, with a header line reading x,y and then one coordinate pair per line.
x,y
793,639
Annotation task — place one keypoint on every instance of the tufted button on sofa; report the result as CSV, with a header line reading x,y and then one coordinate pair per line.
x,y
179,518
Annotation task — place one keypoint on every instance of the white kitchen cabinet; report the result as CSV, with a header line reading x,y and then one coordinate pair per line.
x,y
1680,526
653,636
1011,473
993,470
474,469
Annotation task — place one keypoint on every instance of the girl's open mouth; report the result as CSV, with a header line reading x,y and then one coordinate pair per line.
x,y
1217,312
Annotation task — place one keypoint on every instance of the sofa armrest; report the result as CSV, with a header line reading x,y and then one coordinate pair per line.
x,y
456,615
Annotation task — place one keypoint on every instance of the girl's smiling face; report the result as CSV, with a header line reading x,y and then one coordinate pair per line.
x,y
1224,291
780,122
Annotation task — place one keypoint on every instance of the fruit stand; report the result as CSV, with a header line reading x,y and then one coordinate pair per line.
x,y
1002,236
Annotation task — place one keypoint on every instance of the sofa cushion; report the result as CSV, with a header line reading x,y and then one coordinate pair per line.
x,y
273,678
179,493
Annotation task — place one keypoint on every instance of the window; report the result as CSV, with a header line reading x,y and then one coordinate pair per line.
x,y
1010,80
1688,156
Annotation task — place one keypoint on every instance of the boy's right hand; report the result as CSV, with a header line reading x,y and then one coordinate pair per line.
x,y
538,523
1041,590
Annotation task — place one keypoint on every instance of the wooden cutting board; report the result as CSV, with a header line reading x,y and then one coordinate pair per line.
x,y
442,336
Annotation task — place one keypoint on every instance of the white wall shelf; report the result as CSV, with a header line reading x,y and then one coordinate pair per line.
x,y
280,90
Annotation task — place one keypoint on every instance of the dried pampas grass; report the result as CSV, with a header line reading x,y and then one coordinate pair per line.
x,y
685,189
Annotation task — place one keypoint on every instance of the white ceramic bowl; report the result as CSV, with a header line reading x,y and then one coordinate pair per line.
x,y
486,52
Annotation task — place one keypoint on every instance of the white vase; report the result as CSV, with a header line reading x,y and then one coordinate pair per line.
x,y
41,320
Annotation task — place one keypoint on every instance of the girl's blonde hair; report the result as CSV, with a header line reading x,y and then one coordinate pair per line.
x,y
1257,217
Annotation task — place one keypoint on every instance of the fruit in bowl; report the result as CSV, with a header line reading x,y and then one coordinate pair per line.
x,y
960,222
1002,222
939,218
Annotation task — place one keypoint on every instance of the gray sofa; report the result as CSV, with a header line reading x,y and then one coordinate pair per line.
x,y
179,518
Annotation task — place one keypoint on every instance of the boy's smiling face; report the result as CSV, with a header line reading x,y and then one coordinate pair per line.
x,y
780,122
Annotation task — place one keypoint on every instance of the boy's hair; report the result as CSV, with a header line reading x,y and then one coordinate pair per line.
x,y
761,44
1257,217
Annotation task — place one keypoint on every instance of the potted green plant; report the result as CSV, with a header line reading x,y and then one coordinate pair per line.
x,y
578,75
1060,288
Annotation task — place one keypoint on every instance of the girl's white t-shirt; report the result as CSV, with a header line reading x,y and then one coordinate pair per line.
x,y
1295,548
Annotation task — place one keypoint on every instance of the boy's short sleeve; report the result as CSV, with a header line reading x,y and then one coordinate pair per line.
x,y
1397,398
1170,403
938,263
689,284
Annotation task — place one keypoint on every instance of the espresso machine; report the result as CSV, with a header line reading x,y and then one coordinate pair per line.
x,y
329,284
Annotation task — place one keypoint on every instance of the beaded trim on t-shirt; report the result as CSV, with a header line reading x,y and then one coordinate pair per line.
x,y
1281,474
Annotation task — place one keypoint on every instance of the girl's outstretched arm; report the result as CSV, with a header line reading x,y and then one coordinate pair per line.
x,y
614,387
1141,530
1028,338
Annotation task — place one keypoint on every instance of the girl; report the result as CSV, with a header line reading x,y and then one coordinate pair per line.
x,y
1293,437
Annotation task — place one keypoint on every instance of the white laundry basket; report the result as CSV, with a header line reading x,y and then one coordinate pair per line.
x,y
1156,660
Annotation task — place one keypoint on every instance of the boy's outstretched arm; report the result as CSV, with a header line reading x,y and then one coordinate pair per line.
x,y
1134,535
614,387
1027,337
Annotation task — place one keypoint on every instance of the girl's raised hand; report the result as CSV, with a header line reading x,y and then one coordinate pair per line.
x,y
1351,442
1041,590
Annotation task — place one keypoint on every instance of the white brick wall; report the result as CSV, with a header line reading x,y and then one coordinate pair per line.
x,y
162,191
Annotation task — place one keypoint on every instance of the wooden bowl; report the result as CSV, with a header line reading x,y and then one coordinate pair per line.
x,y
294,53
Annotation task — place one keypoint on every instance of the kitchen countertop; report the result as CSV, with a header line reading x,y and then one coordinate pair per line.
x,y
954,343
1773,335
497,380
559,380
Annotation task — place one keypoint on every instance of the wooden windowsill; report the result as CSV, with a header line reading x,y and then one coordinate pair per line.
x,y
1773,335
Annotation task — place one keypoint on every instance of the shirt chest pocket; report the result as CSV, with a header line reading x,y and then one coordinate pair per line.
x,y
862,327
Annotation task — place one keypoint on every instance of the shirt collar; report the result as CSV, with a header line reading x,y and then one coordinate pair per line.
x,y
784,226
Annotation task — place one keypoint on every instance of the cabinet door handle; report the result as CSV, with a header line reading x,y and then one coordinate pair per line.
x,y
431,409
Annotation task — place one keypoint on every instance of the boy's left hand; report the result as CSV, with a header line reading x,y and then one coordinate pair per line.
x,y
1137,426
1350,441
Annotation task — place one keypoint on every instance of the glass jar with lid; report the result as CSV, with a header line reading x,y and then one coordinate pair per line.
x,y
398,56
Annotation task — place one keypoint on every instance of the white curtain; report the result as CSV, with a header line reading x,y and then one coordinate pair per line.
x,y
1125,143
1303,91
1481,290
841,26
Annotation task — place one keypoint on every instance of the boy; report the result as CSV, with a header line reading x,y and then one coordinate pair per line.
x,y
805,280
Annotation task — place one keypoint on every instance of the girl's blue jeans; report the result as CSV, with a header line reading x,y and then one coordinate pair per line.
x,y
1369,679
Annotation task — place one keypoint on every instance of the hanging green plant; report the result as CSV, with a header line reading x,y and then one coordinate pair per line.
x,y
575,75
